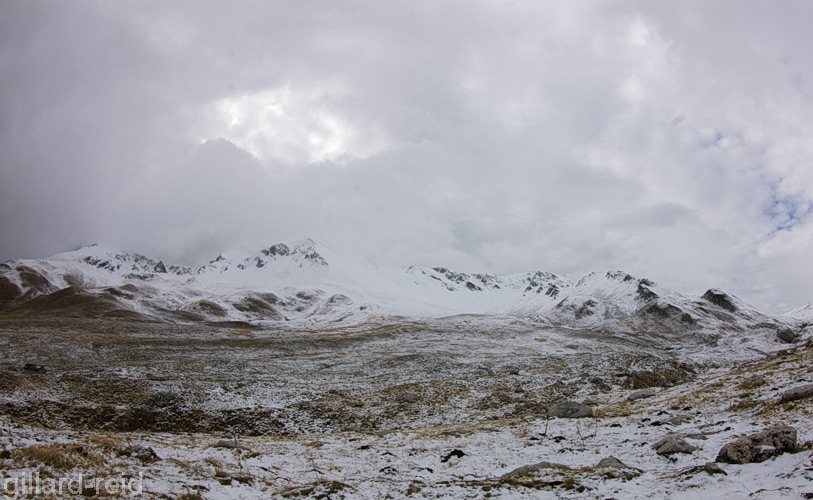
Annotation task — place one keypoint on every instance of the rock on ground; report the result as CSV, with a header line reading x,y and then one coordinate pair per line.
x,y
672,444
611,463
760,446
533,468
645,393
801,392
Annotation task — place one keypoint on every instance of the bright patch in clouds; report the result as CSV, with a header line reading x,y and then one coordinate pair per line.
x,y
292,125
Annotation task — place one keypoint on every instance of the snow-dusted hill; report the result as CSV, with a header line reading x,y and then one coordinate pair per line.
x,y
302,283
804,313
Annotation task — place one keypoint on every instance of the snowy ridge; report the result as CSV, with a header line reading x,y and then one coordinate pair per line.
x,y
301,282
804,313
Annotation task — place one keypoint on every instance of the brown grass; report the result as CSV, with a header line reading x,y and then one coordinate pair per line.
x,y
569,483
60,456
220,469
743,404
107,443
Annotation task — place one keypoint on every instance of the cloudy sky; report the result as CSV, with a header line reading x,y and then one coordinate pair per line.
x,y
672,140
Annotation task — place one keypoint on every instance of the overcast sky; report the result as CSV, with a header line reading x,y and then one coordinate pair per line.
x,y
671,140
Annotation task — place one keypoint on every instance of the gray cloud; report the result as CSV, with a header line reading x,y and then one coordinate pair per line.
x,y
669,140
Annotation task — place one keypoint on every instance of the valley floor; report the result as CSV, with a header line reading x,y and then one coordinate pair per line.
x,y
442,409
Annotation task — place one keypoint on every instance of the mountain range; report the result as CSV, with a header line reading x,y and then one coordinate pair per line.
x,y
304,284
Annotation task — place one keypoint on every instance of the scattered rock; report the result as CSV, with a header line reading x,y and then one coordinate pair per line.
x,y
679,420
672,444
570,409
642,394
144,454
231,444
533,468
741,451
600,384
712,468
801,392
614,468
754,381
453,454
611,463
34,368
709,468
591,402
408,398
697,436
760,446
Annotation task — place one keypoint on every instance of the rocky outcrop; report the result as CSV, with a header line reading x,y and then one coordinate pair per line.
x,y
8,290
760,446
788,336
720,299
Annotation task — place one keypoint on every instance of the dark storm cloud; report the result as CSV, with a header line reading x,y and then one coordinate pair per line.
x,y
666,139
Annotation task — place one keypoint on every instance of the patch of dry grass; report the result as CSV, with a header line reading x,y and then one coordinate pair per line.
x,y
217,464
59,456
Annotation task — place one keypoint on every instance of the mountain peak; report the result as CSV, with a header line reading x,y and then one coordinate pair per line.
x,y
280,256
804,312
118,261
297,250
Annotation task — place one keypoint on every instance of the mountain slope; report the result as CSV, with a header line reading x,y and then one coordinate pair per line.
x,y
804,313
301,283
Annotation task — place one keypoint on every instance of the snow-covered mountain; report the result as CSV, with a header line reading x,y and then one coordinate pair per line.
x,y
804,313
302,283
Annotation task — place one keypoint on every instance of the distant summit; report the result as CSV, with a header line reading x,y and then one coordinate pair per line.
x,y
804,312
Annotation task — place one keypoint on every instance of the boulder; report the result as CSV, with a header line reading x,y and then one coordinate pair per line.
x,y
526,470
672,444
679,420
642,394
801,392
611,463
741,451
453,454
145,454
613,468
231,444
760,446
570,409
